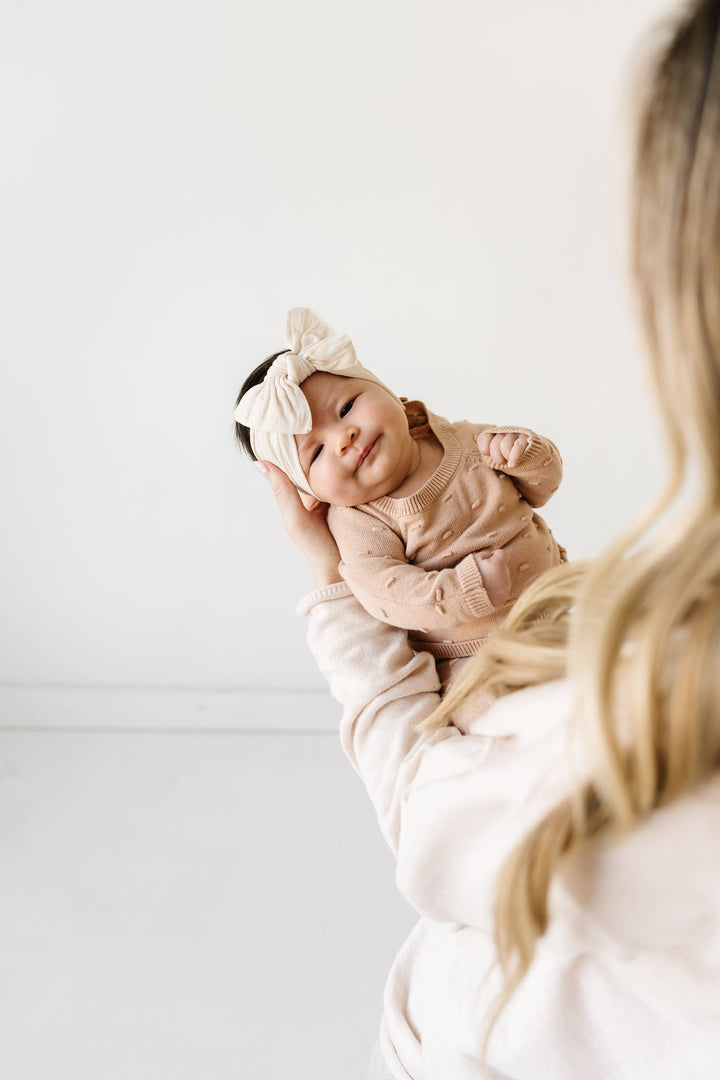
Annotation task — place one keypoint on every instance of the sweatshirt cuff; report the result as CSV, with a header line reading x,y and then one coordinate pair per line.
x,y
318,596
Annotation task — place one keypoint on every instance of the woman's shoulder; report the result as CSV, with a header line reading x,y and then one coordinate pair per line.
x,y
475,796
530,714
516,734
654,888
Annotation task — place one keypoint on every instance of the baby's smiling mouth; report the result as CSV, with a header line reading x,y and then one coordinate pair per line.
x,y
365,453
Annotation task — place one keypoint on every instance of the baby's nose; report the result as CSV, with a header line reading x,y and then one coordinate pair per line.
x,y
347,438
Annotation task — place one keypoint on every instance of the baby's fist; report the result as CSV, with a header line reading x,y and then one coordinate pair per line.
x,y
504,448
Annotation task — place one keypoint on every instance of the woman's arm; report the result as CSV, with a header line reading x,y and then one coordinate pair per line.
x,y
385,688
450,806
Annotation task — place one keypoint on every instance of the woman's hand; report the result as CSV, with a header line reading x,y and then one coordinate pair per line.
x,y
306,525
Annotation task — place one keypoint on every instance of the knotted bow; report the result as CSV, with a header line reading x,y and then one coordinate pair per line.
x,y
276,410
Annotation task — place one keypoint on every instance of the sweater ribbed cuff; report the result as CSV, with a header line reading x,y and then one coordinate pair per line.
x,y
319,596
539,452
473,590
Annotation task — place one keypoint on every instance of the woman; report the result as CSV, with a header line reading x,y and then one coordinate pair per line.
x,y
563,855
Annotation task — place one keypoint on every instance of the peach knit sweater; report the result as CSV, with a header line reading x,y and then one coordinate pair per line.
x,y
411,561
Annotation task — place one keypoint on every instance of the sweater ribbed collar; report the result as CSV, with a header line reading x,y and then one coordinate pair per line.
x,y
435,484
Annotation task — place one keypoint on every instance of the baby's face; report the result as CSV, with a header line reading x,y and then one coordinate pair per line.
x,y
360,447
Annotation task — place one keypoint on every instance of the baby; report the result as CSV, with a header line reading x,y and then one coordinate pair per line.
x,y
434,521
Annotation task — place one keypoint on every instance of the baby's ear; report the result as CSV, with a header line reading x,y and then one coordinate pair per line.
x,y
308,501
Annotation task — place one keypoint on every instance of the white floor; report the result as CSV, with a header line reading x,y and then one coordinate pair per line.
x,y
185,906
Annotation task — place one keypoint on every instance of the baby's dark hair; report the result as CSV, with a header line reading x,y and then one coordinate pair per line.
x,y
254,379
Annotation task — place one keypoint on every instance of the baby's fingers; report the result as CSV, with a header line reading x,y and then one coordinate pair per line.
x,y
516,449
504,448
483,442
491,444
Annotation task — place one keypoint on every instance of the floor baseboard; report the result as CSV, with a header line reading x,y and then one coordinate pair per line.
x,y
87,708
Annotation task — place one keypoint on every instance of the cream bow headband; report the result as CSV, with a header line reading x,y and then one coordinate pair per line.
x,y
276,410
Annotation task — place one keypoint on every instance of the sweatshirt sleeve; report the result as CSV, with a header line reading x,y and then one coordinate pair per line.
x,y
374,564
451,806
538,473
385,688
471,803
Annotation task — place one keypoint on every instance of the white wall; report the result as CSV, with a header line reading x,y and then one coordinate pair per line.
x,y
443,180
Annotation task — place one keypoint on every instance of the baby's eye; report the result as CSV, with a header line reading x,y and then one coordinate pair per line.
x,y
316,454
347,407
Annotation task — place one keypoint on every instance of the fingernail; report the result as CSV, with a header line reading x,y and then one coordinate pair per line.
x,y
261,467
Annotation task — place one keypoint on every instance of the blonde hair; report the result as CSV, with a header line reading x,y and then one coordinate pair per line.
x,y
645,617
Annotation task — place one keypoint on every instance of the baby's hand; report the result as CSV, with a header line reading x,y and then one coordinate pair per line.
x,y
505,448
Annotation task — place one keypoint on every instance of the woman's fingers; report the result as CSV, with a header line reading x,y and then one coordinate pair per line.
x,y
305,525
286,496
309,501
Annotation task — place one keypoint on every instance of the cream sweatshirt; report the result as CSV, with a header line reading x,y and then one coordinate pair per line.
x,y
411,562
626,983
